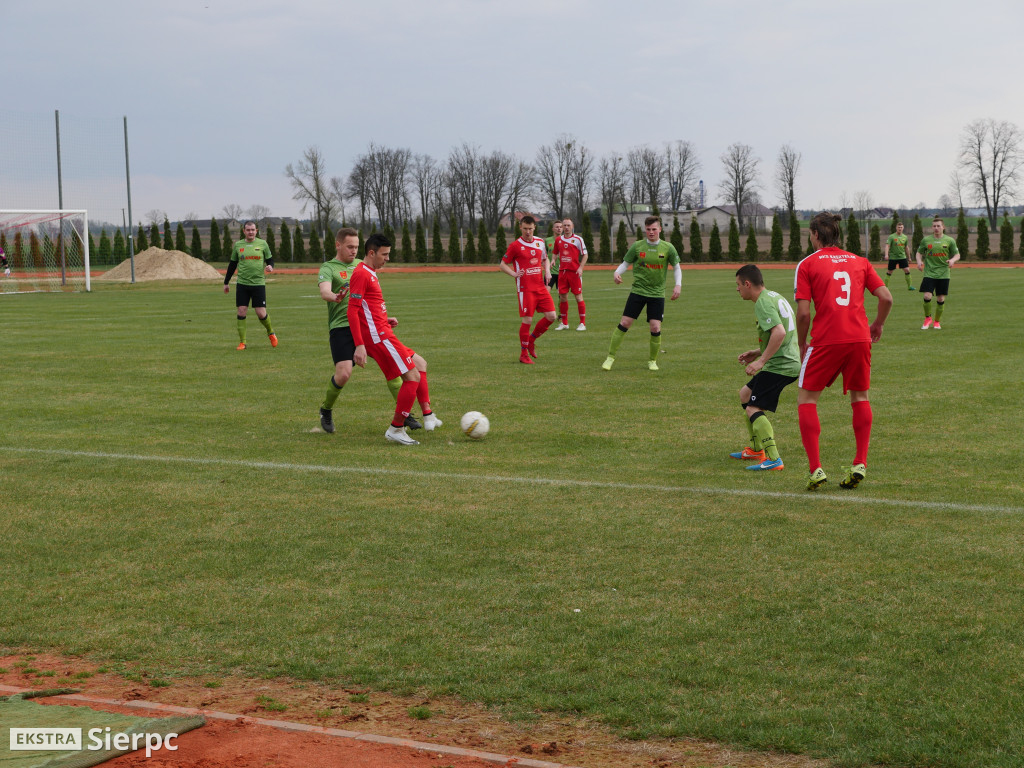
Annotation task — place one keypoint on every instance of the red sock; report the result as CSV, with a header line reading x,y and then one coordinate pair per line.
x,y
524,334
423,393
582,307
563,311
862,430
542,325
403,404
810,431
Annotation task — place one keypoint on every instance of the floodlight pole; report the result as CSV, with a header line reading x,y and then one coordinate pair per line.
x,y
60,199
128,182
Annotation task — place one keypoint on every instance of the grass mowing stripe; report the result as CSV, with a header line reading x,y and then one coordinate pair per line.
x,y
520,479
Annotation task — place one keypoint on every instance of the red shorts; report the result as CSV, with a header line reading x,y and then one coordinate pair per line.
x,y
822,366
570,282
393,357
535,301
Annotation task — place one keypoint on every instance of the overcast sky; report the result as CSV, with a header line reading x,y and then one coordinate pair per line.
x,y
221,95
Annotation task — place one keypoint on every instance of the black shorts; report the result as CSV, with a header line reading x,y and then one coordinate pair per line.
x,y
342,346
901,263
766,387
553,282
655,306
246,293
937,285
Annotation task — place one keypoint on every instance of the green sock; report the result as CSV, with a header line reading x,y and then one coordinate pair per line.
x,y
394,385
266,324
927,307
241,329
766,435
755,441
332,394
906,276
655,346
617,336
887,276
938,310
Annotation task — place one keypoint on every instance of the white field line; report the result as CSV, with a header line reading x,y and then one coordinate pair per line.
x,y
854,497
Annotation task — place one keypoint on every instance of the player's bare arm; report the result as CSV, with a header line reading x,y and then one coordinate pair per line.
x,y
803,323
359,356
750,354
778,335
884,306
512,272
330,296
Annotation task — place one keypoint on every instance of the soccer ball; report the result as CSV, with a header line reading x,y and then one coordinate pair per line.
x,y
475,425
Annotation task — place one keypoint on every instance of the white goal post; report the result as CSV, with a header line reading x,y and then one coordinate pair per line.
x,y
46,250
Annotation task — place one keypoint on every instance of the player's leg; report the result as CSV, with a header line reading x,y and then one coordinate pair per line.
x,y
396,361
857,381
655,314
888,272
342,350
430,420
542,303
926,296
766,388
563,308
906,275
242,305
941,291
816,374
630,313
581,306
259,303
752,451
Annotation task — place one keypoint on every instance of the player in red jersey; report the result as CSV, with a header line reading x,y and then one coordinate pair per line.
x,y
572,255
372,334
835,281
526,260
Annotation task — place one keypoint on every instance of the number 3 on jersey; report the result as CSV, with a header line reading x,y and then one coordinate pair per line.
x,y
844,300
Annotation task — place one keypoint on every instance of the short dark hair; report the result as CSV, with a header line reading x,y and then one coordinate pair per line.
x,y
527,219
750,273
247,222
651,219
344,232
376,241
938,219
826,226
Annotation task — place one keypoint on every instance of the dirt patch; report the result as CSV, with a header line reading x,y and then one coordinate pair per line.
x,y
157,264
242,743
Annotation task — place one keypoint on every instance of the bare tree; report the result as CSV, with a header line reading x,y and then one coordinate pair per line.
x,y
992,159
232,212
258,213
554,164
956,187
522,183
464,169
648,169
425,176
946,204
683,169
741,178
863,202
190,218
612,178
786,168
357,188
581,178
156,216
309,180
386,176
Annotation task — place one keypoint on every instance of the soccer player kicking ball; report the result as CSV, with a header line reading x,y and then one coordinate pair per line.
x,y
774,366
835,281
373,336
572,257
650,259
333,281
939,252
526,260
251,256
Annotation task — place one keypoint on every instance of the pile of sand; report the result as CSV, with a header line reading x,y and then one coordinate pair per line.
x,y
157,264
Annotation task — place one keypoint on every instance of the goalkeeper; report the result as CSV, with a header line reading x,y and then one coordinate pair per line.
x,y
3,261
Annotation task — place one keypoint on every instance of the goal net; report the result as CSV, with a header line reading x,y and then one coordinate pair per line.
x,y
44,251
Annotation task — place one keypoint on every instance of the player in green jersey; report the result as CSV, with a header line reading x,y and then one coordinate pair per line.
x,y
549,243
897,251
935,255
774,366
251,256
333,280
651,259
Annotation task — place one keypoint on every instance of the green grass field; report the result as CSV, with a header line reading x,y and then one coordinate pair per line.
x,y
167,503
